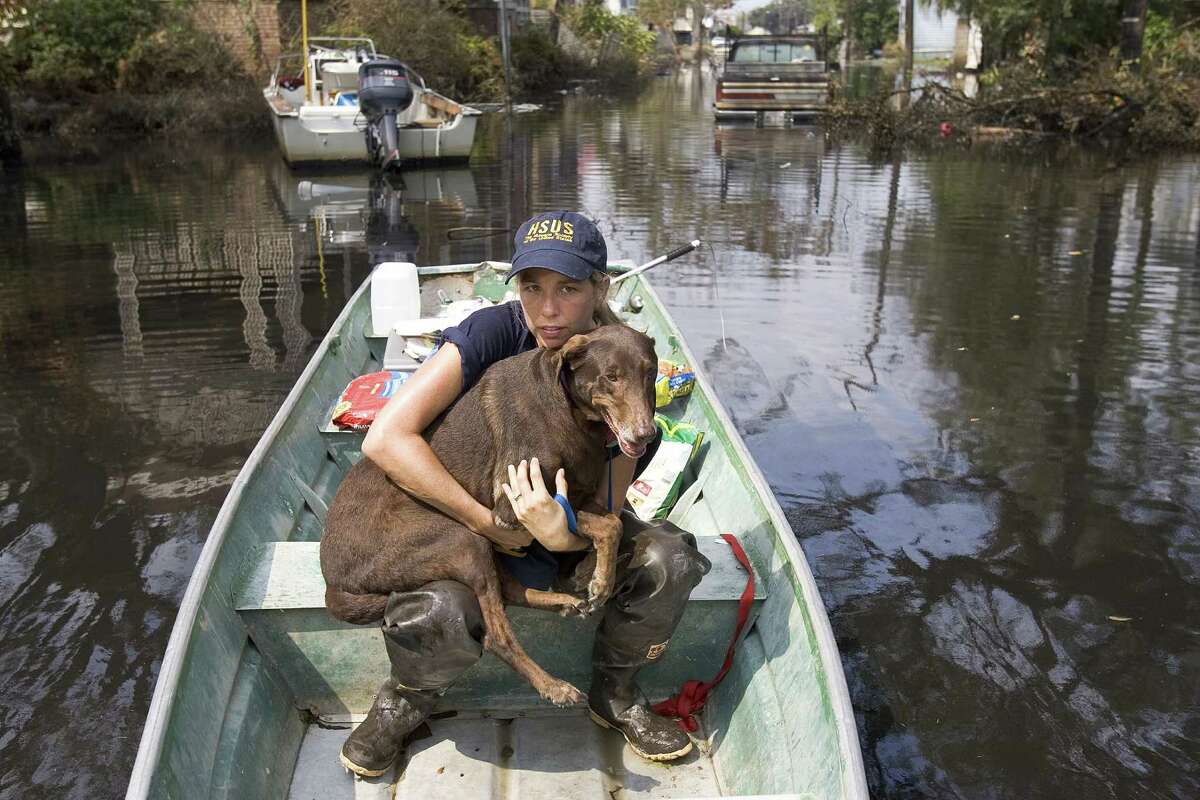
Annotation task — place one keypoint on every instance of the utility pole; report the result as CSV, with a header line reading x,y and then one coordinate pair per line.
x,y
910,39
1133,25
504,55
849,33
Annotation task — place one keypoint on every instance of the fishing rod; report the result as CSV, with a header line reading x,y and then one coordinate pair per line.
x,y
671,256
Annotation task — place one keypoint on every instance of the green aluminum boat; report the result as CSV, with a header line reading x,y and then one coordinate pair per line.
x,y
259,686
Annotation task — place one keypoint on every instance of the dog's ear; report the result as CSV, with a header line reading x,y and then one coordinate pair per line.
x,y
574,350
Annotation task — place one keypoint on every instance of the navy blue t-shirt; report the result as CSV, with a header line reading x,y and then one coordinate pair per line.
x,y
487,336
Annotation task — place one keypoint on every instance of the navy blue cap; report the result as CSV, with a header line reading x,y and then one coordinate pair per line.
x,y
563,241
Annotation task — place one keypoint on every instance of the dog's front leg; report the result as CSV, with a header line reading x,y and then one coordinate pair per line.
x,y
567,605
605,532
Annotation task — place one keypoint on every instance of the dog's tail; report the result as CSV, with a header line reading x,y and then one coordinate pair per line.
x,y
358,609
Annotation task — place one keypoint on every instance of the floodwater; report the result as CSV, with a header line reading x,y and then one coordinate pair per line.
x,y
970,378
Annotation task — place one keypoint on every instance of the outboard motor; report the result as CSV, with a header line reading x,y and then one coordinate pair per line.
x,y
383,92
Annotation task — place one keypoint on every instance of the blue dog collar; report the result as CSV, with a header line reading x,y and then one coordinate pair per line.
x,y
572,524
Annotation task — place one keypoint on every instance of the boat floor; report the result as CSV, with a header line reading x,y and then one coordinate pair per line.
x,y
551,754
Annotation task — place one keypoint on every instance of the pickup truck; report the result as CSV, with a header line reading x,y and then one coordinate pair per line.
x,y
773,73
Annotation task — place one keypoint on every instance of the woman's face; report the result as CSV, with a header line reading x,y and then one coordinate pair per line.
x,y
556,307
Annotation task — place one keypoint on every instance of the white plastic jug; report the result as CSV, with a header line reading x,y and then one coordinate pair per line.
x,y
394,295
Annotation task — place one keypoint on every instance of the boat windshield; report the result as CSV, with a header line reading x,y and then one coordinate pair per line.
x,y
773,53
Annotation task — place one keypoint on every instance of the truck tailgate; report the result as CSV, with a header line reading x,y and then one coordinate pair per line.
x,y
772,87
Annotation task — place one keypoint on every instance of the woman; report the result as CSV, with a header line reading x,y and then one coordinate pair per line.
x,y
435,633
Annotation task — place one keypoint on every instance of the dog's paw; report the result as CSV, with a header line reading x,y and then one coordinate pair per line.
x,y
562,693
599,590
506,524
576,607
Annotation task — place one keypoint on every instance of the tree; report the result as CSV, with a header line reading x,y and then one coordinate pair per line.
x,y
661,13
77,44
782,16
1047,30
870,24
10,146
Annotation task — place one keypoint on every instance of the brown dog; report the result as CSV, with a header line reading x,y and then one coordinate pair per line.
x,y
556,405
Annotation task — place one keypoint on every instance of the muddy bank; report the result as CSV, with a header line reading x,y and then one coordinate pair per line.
x,y
84,127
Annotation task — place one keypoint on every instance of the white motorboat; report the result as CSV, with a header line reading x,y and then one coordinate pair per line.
x,y
341,101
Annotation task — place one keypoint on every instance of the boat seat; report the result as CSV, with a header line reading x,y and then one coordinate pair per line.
x,y
449,107
281,599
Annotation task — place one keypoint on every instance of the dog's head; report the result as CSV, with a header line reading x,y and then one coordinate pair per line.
x,y
613,369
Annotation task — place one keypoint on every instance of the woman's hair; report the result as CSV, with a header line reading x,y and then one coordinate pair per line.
x,y
604,314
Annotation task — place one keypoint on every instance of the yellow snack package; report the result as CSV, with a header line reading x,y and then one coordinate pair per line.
x,y
674,380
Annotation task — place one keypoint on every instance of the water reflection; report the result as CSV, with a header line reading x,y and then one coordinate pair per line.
x,y
154,315
968,377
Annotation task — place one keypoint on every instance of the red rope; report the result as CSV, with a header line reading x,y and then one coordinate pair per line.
x,y
692,696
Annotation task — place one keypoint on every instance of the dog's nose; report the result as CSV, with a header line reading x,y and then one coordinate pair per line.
x,y
645,432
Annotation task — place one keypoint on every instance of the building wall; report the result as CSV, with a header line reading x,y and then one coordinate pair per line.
x,y
933,30
249,28
485,15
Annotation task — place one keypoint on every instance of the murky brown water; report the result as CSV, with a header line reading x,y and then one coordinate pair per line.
x,y
969,377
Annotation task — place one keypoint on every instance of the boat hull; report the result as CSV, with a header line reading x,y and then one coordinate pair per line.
x,y
246,666
334,134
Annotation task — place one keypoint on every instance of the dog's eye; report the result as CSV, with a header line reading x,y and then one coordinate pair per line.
x,y
611,376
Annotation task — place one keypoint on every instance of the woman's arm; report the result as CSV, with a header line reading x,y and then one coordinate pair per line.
x,y
394,442
622,475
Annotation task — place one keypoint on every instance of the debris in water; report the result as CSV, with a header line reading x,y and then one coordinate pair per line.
x,y
961,349
1075,253
785,165
440,770
974,419
1119,619
1015,317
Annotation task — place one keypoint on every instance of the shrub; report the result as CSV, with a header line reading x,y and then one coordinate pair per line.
x,y
178,56
70,45
539,65
622,40
432,39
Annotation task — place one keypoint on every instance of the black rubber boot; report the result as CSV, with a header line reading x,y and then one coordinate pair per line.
x,y
615,701
375,743
658,568
433,635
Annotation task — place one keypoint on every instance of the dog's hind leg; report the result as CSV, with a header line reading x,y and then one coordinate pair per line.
x,y
605,532
501,640
567,605
358,609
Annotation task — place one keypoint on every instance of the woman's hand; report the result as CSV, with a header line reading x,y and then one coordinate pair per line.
x,y
537,509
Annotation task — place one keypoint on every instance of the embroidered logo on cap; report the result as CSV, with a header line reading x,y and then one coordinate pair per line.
x,y
549,230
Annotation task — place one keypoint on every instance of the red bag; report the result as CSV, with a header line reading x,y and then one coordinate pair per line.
x,y
362,399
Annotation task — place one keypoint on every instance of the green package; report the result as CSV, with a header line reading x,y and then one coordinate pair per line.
x,y
653,493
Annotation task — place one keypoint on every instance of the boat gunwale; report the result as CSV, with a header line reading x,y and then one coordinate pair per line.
x,y
853,771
